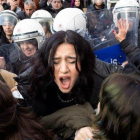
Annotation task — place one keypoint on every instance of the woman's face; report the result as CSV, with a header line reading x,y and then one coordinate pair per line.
x,y
77,3
28,49
65,67
8,28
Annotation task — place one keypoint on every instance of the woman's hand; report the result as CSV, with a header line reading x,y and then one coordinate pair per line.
x,y
123,29
85,133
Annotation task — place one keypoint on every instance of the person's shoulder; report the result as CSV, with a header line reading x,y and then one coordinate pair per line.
x,y
20,12
5,46
21,15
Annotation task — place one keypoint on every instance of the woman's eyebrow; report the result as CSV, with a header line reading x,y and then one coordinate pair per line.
x,y
71,57
56,58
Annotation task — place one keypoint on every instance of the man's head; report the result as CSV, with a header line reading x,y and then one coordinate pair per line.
x,y
29,7
56,4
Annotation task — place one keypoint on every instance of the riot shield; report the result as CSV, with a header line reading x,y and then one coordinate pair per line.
x,y
100,25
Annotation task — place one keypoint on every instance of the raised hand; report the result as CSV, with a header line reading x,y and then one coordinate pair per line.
x,y
122,30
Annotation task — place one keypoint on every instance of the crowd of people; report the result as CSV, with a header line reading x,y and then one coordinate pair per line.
x,y
52,86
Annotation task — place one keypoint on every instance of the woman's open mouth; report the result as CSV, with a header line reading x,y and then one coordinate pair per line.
x,y
65,82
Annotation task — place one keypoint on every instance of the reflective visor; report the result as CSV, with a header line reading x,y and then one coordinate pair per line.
x,y
45,22
7,19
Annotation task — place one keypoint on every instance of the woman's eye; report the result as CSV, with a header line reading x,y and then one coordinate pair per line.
x,y
55,62
72,62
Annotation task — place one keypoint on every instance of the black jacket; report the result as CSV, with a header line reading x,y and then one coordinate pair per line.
x,y
54,12
11,55
5,51
133,53
22,15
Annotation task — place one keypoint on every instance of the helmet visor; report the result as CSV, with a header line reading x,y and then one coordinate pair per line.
x,y
26,49
8,19
46,23
126,15
78,24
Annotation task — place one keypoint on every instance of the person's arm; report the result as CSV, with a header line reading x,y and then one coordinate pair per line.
x,y
13,5
77,117
9,78
104,69
131,51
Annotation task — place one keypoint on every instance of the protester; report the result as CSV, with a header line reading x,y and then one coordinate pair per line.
x,y
131,51
29,8
14,6
17,122
118,116
59,77
76,4
57,6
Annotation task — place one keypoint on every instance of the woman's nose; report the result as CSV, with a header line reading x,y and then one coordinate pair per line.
x,y
64,67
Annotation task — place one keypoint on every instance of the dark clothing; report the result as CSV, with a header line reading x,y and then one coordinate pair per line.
x,y
22,15
3,40
41,105
54,12
11,55
80,7
43,5
16,63
5,51
67,4
93,8
132,52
